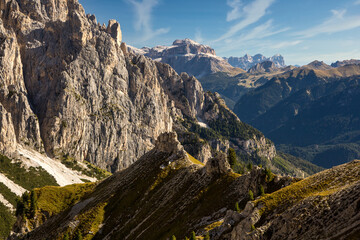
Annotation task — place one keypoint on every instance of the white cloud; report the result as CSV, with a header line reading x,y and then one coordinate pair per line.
x,y
338,22
247,14
143,11
357,2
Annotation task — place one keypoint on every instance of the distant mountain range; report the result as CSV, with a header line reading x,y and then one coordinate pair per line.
x,y
246,62
200,60
188,56
313,111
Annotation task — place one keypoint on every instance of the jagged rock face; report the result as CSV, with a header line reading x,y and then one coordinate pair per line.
x,y
218,165
87,99
264,67
69,87
246,62
188,56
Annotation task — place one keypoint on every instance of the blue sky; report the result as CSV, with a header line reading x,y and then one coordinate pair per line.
x,y
300,30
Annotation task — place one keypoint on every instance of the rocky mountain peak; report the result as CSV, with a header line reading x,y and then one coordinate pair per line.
x,y
114,30
319,65
168,142
264,67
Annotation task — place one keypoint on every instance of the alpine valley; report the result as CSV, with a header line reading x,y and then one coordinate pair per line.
x,y
100,140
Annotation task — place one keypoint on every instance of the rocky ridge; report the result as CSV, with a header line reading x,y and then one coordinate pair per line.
x,y
166,192
246,62
189,196
188,56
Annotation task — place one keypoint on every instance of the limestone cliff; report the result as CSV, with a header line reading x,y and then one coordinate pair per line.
x,y
70,88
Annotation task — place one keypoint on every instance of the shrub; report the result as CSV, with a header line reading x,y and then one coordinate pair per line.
x,y
207,236
193,236
251,195
261,191
237,207
253,228
268,175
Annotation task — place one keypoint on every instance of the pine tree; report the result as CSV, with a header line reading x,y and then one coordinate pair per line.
x,y
232,157
33,203
193,236
250,166
261,191
66,236
78,236
207,236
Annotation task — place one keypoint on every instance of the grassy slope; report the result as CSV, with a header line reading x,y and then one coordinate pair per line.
x,y
155,199
320,184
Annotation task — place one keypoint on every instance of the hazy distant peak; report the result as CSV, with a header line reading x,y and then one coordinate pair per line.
x,y
320,65
247,61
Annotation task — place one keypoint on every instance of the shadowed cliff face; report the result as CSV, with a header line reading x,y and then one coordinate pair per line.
x,y
68,88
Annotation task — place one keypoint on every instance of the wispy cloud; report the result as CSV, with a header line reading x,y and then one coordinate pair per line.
x,y
143,11
235,13
198,36
338,22
247,14
285,44
262,31
357,2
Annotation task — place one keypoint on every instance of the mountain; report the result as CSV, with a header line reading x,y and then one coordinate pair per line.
x,y
263,67
168,193
318,65
188,56
246,62
74,102
232,88
345,62
312,109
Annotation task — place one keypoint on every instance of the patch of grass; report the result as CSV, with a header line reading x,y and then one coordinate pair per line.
x,y
6,221
27,178
213,225
90,221
57,199
194,160
321,184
